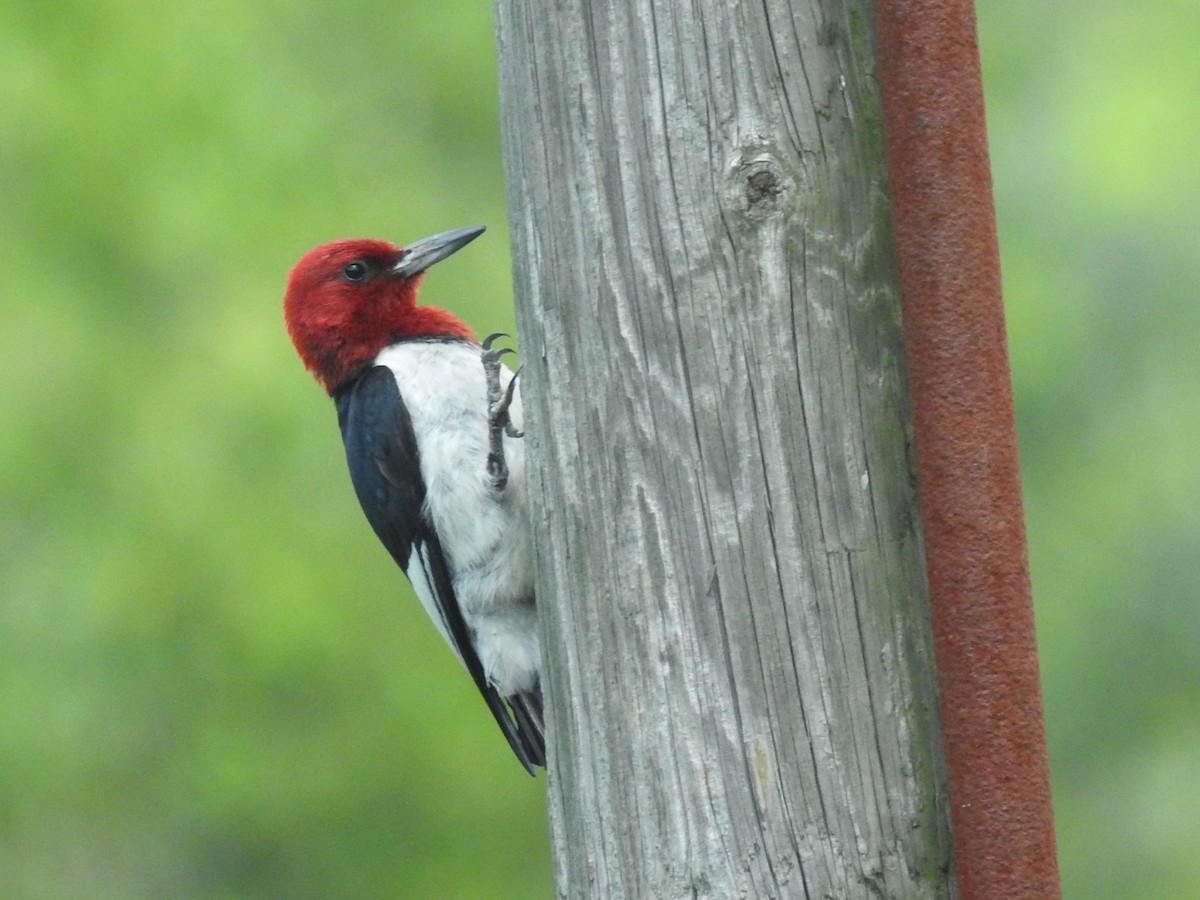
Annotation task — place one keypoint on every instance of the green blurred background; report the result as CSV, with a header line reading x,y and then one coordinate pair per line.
x,y
212,682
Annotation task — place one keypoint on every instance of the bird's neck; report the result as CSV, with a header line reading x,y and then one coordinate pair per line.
x,y
429,321
337,364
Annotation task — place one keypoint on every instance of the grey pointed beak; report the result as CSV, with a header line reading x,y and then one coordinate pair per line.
x,y
420,255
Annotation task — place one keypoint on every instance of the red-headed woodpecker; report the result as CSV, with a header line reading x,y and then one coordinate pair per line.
x,y
424,411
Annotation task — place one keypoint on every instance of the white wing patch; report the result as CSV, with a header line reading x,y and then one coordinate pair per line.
x,y
419,575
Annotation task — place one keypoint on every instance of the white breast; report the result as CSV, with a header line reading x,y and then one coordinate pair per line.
x,y
484,532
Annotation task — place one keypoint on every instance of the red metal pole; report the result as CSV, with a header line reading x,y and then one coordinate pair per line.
x,y
966,450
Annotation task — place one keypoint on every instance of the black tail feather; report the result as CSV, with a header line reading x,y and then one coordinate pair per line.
x,y
527,710
520,718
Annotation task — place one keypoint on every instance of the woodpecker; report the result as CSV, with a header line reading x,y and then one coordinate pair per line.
x,y
427,416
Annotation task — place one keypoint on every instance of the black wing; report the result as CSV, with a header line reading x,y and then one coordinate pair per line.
x,y
381,451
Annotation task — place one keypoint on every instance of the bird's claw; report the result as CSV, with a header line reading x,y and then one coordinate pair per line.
x,y
491,355
499,400
505,402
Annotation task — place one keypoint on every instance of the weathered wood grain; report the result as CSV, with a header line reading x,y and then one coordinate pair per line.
x,y
729,557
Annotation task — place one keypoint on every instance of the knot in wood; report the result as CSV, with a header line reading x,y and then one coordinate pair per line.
x,y
761,187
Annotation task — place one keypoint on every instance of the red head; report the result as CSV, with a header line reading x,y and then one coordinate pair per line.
x,y
349,299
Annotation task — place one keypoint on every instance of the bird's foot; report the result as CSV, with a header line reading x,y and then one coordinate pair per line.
x,y
499,400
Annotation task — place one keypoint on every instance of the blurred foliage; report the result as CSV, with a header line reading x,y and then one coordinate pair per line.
x,y
213,682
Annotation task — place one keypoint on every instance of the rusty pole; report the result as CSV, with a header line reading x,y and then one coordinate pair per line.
x,y
966,450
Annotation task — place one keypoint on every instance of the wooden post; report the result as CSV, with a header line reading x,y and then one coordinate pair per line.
x,y
730,568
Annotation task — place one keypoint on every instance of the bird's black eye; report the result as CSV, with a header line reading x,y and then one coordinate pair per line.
x,y
357,270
